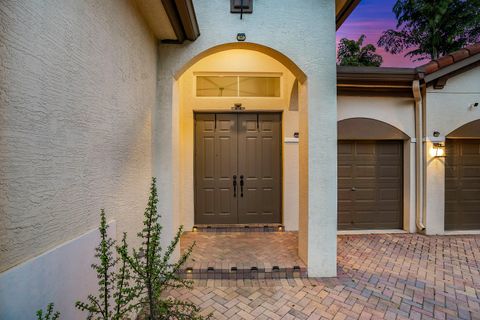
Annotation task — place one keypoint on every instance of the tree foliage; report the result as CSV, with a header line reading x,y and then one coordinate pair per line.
x,y
428,29
49,313
114,285
353,53
136,280
154,271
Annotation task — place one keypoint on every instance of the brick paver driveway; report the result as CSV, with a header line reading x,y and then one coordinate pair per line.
x,y
397,276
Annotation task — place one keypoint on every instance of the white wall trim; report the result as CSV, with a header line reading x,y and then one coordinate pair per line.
x,y
61,275
359,232
461,232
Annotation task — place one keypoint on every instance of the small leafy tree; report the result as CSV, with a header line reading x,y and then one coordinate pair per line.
x,y
153,270
49,315
112,284
354,53
428,29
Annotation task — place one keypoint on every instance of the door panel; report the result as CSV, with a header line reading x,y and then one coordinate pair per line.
x,y
245,145
259,164
370,185
462,184
215,166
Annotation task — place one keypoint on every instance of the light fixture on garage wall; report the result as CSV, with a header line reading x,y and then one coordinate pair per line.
x,y
437,150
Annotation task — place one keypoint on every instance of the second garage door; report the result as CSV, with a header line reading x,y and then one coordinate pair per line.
x,y
462,185
370,185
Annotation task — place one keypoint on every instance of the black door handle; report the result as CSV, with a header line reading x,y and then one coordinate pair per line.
x,y
234,185
241,186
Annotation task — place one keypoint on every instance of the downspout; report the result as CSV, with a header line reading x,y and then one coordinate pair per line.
x,y
419,146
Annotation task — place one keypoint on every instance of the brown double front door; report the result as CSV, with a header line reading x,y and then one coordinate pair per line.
x,y
237,168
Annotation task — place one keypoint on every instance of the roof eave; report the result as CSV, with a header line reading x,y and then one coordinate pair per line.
x,y
181,14
373,80
344,12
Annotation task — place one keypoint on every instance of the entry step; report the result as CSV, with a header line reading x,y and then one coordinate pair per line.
x,y
222,228
244,272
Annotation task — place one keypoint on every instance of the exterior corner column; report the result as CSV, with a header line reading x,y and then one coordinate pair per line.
x,y
164,154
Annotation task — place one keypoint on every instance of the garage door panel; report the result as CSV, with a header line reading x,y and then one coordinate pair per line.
x,y
470,171
392,171
344,171
344,195
364,171
389,194
372,197
462,184
345,149
364,149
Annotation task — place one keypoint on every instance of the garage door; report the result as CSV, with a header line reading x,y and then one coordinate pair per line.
x,y
462,185
370,185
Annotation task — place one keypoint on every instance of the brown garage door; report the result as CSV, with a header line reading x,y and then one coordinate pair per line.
x,y
462,185
370,185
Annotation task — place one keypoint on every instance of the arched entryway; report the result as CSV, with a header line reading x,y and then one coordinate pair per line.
x,y
316,190
224,152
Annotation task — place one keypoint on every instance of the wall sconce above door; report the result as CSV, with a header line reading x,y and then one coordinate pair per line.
x,y
241,6
437,150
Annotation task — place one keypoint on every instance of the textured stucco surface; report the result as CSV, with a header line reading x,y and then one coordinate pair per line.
x,y
77,86
309,40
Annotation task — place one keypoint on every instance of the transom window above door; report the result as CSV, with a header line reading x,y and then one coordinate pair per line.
x,y
238,85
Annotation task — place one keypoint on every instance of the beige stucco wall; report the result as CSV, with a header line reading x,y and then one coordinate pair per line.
x,y
396,111
314,53
246,62
77,86
447,109
400,113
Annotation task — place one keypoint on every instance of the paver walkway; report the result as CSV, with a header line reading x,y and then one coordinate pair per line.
x,y
398,276
243,251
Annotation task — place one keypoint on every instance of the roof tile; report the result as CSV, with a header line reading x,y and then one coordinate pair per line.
x,y
445,61
474,48
430,67
460,55
450,59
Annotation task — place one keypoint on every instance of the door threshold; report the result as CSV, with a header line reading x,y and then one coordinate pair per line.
x,y
382,231
253,227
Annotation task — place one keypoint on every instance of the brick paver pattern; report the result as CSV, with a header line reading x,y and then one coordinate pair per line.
x,y
263,250
396,276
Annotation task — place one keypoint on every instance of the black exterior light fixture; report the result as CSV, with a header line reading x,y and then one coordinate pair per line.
x,y
241,7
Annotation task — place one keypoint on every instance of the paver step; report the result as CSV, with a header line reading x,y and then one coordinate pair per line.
x,y
223,228
244,272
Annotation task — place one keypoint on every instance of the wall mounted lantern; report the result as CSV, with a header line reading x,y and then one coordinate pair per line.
x,y
241,6
437,150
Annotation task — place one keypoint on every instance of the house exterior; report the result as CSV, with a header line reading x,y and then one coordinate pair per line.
x,y
98,96
409,114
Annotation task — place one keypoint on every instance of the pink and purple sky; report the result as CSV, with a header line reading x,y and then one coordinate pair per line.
x,y
372,17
